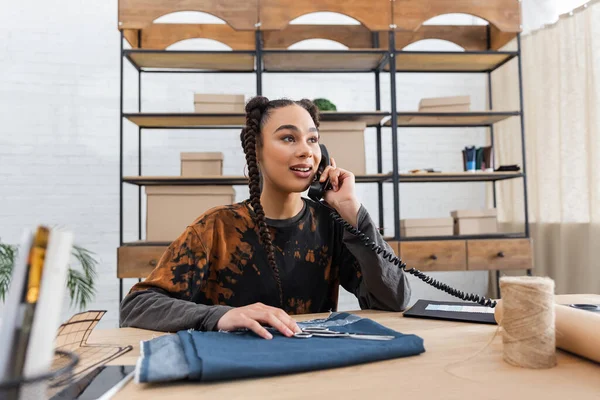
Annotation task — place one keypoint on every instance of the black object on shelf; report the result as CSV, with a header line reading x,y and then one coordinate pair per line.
x,y
508,168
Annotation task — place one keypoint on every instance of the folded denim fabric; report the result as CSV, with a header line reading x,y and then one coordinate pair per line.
x,y
216,356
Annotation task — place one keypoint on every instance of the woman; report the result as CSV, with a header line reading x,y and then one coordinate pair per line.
x,y
253,263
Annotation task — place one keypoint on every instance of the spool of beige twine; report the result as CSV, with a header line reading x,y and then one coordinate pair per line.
x,y
528,321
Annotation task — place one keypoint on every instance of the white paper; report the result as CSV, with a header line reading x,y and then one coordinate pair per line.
x,y
457,308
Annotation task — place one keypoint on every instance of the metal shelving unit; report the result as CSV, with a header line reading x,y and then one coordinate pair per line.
x,y
375,60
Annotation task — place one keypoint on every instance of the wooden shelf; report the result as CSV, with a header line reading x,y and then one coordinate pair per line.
x,y
451,61
464,237
217,61
324,60
372,178
234,120
512,235
186,181
144,243
459,177
461,119
186,120
280,60
219,180
371,118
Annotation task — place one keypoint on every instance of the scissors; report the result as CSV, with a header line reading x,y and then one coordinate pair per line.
x,y
319,331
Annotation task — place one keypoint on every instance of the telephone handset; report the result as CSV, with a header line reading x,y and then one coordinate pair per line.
x,y
316,192
317,189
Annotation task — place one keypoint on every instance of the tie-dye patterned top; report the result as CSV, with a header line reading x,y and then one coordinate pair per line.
x,y
218,262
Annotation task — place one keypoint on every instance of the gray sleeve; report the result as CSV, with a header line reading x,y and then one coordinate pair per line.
x,y
376,282
155,310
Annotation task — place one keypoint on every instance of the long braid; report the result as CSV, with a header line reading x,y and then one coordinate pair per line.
x,y
257,111
250,134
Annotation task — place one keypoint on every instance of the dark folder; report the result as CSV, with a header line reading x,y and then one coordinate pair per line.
x,y
420,310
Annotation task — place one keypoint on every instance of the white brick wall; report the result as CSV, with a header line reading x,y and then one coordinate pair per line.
x,y
59,107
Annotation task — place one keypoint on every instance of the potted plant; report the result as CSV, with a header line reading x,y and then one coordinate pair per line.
x,y
80,282
324,105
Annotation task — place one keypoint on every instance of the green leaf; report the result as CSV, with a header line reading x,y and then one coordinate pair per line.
x,y
324,105
87,261
79,283
8,255
81,288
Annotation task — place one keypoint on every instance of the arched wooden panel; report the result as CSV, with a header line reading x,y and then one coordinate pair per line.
x,y
138,14
375,15
504,14
499,38
131,35
161,36
470,38
352,36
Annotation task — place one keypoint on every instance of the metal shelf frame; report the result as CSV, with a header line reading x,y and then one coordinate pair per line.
x,y
389,63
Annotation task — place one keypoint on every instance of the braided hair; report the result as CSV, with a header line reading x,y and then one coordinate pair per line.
x,y
258,111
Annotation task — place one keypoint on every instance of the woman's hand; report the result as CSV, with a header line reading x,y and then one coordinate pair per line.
x,y
252,316
343,196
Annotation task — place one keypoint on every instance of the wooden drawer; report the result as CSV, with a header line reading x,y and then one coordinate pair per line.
x,y
448,255
138,261
499,254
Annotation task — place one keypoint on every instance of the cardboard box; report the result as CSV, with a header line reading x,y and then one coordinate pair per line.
x,y
170,209
219,103
345,142
445,104
427,227
201,164
475,222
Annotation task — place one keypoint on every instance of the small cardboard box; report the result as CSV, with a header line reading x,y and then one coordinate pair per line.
x,y
345,142
475,222
201,164
219,103
446,104
426,227
170,209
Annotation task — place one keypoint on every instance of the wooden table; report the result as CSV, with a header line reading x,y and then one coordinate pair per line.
x,y
461,361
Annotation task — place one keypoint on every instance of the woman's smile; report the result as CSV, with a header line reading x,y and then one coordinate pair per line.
x,y
302,171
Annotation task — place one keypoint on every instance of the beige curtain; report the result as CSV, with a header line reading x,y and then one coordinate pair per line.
x,y
561,89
